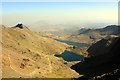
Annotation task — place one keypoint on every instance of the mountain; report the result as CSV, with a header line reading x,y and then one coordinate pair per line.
x,y
111,29
26,54
90,36
103,45
103,63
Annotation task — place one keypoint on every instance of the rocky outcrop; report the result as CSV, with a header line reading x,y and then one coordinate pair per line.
x,y
107,61
19,26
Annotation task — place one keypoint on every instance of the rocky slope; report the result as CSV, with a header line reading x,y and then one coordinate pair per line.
x,y
26,54
104,62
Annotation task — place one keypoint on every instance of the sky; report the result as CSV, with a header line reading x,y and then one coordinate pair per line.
x,y
59,12
59,0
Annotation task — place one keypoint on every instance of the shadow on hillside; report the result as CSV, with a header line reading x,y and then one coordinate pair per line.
x,y
99,65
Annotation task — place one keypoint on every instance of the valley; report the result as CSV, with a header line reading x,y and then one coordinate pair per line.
x,y
27,54
66,40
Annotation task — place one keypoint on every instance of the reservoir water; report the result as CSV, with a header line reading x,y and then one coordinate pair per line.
x,y
70,56
73,43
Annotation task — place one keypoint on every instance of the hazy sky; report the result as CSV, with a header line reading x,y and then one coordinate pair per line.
x,y
59,12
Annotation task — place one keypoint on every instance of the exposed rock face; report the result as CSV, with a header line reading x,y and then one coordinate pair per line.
x,y
107,61
19,26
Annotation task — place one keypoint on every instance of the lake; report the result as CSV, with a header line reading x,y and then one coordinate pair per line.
x,y
70,56
73,43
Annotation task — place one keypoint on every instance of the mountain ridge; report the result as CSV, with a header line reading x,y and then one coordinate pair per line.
x,y
107,61
29,55
93,35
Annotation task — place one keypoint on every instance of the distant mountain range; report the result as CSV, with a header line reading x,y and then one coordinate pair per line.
x,y
108,30
55,29
61,28
92,35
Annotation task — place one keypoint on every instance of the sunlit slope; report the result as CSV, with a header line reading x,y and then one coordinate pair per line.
x,y
26,54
